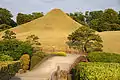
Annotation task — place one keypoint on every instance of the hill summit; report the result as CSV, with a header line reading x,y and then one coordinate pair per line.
x,y
52,29
56,19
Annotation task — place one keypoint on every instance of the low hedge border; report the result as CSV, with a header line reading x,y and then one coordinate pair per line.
x,y
103,57
96,71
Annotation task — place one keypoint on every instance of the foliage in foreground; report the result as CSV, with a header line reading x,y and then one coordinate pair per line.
x,y
85,39
8,69
36,58
5,58
59,53
96,71
33,40
15,48
103,57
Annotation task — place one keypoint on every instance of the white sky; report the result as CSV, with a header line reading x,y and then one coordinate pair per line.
x,y
29,6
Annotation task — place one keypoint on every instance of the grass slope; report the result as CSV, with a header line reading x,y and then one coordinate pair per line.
x,y
52,29
111,41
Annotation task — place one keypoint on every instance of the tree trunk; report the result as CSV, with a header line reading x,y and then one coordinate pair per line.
x,y
84,46
85,49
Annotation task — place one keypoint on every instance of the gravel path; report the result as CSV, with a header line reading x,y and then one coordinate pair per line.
x,y
43,71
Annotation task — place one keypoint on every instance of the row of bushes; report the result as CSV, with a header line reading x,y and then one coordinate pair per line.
x,y
96,71
101,66
8,69
103,57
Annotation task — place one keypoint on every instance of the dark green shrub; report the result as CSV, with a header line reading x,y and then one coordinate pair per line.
x,y
8,69
36,58
103,57
5,58
96,71
15,48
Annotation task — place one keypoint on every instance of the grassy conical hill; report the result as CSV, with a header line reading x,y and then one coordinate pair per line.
x,y
53,20
55,26
52,29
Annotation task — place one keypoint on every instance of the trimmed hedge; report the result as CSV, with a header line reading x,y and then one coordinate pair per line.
x,y
8,69
59,53
103,57
5,58
96,71
36,58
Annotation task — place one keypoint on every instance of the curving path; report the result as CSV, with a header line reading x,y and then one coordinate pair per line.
x,y
43,71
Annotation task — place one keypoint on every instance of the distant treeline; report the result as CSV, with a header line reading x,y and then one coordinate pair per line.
x,y
107,20
7,22
101,20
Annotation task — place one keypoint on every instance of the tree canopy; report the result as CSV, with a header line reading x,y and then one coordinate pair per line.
x,y
6,17
107,20
85,39
24,18
78,17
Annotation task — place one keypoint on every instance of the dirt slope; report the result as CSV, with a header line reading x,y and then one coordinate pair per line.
x,y
52,29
